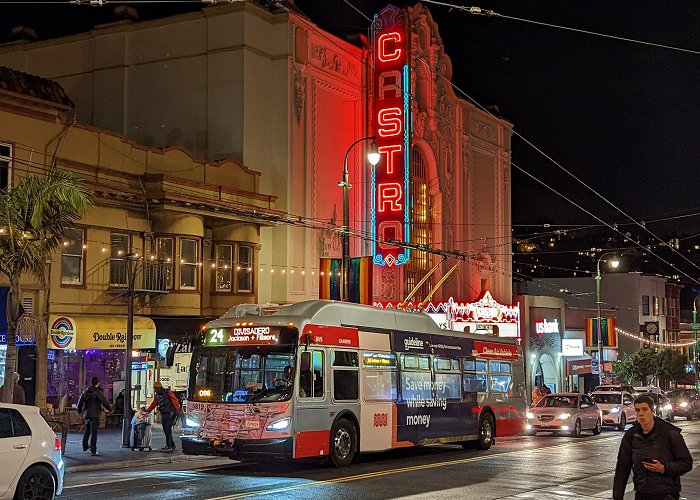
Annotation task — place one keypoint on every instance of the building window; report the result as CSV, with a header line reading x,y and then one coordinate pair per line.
x,y
421,227
188,264
120,244
224,268
645,305
72,256
656,306
165,253
5,165
244,269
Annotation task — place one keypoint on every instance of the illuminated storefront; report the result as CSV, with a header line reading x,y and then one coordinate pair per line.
x,y
86,346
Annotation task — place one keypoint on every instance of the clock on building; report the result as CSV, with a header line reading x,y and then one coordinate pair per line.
x,y
651,328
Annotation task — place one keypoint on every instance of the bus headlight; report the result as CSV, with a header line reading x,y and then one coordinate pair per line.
x,y
530,415
564,416
191,422
279,425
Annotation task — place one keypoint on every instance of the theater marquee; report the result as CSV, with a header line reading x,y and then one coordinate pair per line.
x,y
390,177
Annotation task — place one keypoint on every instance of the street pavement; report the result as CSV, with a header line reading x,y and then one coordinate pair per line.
x,y
113,456
543,467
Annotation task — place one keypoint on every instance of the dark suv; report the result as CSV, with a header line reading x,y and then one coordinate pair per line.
x,y
684,403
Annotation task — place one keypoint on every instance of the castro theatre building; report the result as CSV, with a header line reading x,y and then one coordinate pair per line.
x,y
294,102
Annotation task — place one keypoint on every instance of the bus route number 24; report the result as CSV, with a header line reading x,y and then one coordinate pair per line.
x,y
381,419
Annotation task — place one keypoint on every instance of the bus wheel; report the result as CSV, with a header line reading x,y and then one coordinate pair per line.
x,y
343,443
486,429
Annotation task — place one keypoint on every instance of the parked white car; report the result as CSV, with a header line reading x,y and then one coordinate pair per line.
x,y
31,465
617,407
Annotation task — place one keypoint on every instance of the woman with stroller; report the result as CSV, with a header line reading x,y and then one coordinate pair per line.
x,y
169,408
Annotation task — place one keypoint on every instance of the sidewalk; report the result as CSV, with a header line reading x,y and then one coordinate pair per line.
x,y
115,457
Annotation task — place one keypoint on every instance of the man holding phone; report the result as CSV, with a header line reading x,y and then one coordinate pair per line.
x,y
655,452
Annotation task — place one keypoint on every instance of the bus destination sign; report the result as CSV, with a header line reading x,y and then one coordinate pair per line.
x,y
242,335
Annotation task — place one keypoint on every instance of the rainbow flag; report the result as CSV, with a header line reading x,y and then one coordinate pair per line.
x,y
609,333
360,280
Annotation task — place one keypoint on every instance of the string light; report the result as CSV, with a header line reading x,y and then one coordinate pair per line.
x,y
653,342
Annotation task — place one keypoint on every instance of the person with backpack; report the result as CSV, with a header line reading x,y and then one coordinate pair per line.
x,y
90,406
169,408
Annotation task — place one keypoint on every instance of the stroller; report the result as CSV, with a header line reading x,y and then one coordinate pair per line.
x,y
141,430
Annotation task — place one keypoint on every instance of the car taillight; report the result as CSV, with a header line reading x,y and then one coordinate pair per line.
x,y
57,444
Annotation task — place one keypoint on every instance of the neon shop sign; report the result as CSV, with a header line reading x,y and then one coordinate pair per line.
x,y
390,177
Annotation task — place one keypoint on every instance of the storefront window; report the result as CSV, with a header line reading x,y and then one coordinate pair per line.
x,y
72,256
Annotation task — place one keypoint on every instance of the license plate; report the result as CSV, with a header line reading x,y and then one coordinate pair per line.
x,y
251,424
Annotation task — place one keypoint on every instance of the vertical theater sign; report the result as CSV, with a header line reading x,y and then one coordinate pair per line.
x,y
390,177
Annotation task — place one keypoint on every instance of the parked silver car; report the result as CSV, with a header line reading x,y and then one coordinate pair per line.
x,y
568,412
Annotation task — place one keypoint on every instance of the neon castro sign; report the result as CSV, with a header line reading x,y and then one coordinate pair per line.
x,y
390,177
243,335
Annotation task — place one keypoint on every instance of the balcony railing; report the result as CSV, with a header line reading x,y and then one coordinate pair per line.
x,y
152,276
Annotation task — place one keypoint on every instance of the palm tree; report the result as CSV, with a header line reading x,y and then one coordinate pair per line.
x,y
33,216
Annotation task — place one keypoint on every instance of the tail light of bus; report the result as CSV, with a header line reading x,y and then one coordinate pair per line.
x,y
57,444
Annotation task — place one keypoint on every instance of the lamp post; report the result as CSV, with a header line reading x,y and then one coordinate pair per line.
x,y
373,158
131,262
695,339
614,263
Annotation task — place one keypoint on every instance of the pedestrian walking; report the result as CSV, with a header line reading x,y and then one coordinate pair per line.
x,y
169,408
90,406
655,452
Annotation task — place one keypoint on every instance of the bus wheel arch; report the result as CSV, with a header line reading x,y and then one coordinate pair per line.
x,y
344,439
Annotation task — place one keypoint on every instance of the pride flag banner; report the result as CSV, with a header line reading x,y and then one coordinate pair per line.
x,y
360,280
609,334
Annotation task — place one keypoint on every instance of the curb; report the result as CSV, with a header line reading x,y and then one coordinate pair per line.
x,y
139,463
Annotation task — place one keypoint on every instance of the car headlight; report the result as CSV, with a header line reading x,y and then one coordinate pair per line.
x,y
668,406
279,425
530,415
564,416
191,422
684,404
614,409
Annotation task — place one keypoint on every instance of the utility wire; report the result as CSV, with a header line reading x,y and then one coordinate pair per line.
x,y
478,11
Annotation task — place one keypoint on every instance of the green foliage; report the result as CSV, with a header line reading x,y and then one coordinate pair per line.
x,y
665,364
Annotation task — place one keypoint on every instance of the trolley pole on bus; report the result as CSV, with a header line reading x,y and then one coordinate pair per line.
x,y
131,263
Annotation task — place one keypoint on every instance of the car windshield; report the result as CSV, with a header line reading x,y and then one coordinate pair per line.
x,y
251,374
557,402
607,399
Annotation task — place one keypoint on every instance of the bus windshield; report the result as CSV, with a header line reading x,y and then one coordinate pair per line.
x,y
250,374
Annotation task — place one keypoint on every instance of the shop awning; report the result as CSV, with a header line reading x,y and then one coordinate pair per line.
x,y
579,365
82,332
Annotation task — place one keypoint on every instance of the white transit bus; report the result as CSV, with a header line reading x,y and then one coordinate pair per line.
x,y
333,379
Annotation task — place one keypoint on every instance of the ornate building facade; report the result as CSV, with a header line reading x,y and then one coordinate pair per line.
x,y
288,99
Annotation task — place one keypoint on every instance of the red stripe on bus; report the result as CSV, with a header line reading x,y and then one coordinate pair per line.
x,y
509,426
312,444
331,335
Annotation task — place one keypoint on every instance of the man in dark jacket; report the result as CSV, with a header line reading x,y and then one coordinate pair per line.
x,y
169,408
655,452
90,406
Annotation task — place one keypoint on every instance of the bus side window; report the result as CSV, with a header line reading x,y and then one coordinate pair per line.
x,y
305,375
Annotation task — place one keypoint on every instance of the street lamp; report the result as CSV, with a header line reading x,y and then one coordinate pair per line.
x,y
614,263
373,158
695,339
131,268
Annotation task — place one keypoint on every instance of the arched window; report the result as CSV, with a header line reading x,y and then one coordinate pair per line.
x,y
421,228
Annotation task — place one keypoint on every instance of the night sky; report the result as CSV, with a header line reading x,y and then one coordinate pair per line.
x,y
623,117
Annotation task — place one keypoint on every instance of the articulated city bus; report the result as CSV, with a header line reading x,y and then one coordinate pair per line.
x,y
333,379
